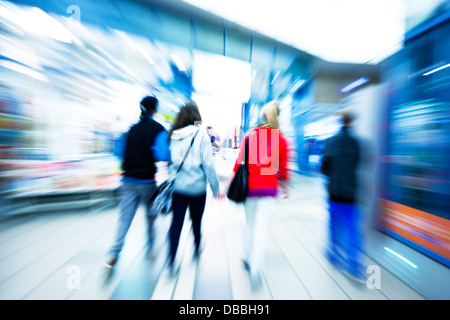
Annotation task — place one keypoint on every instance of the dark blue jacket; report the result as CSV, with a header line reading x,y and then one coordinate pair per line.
x,y
144,144
339,162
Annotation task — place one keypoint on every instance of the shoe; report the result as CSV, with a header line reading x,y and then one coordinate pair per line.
x,y
331,257
197,252
255,280
111,262
336,260
152,254
246,264
354,275
173,270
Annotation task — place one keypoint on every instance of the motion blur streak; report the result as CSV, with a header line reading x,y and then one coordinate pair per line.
x,y
71,79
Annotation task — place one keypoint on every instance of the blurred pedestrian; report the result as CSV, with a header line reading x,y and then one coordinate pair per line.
x,y
340,161
215,141
267,175
143,145
215,138
191,181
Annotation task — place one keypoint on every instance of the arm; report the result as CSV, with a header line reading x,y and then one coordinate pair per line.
x,y
161,150
208,165
119,146
283,172
325,167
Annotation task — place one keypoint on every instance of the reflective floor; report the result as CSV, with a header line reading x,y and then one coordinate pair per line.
x,y
61,255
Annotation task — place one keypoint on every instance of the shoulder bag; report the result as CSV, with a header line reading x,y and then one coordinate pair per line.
x,y
238,189
162,199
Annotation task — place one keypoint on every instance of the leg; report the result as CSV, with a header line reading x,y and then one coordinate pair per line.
x,y
250,207
261,230
147,192
331,251
353,245
128,205
258,213
180,204
196,209
337,231
260,233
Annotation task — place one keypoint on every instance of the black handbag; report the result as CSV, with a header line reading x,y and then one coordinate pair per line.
x,y
162,198
238,189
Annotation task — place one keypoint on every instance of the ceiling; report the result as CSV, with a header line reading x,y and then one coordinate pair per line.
x,y
349,31
346,31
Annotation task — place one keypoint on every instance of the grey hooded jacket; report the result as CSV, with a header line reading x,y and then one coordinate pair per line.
x,y
198,168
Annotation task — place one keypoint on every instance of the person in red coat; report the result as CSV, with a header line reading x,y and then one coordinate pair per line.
x,y
268,175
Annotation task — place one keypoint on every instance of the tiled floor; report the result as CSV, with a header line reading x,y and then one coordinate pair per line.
x,y
60,256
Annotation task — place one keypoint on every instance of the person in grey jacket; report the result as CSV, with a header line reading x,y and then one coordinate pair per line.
x,y
191,181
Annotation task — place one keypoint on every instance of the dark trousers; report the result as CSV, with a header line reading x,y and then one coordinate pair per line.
x,y
196,205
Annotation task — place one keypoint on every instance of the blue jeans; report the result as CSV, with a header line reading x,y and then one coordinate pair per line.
x,y
345,241
132,194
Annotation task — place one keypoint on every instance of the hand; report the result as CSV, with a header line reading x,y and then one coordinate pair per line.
x,y
220,195
284,191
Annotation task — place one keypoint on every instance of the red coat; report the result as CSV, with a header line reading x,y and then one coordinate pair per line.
x,y
267,161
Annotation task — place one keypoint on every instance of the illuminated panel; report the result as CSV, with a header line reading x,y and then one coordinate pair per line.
x,y
430,232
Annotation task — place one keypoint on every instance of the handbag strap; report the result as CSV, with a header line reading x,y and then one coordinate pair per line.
x,y
185,156
246,152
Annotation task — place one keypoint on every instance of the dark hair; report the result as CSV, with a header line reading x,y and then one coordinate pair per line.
x,y
347,118
149,104
188,114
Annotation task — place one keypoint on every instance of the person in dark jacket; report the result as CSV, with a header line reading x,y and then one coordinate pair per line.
x,y
340,161
142,146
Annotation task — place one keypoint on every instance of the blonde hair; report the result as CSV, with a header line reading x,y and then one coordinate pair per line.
x,y
270,113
